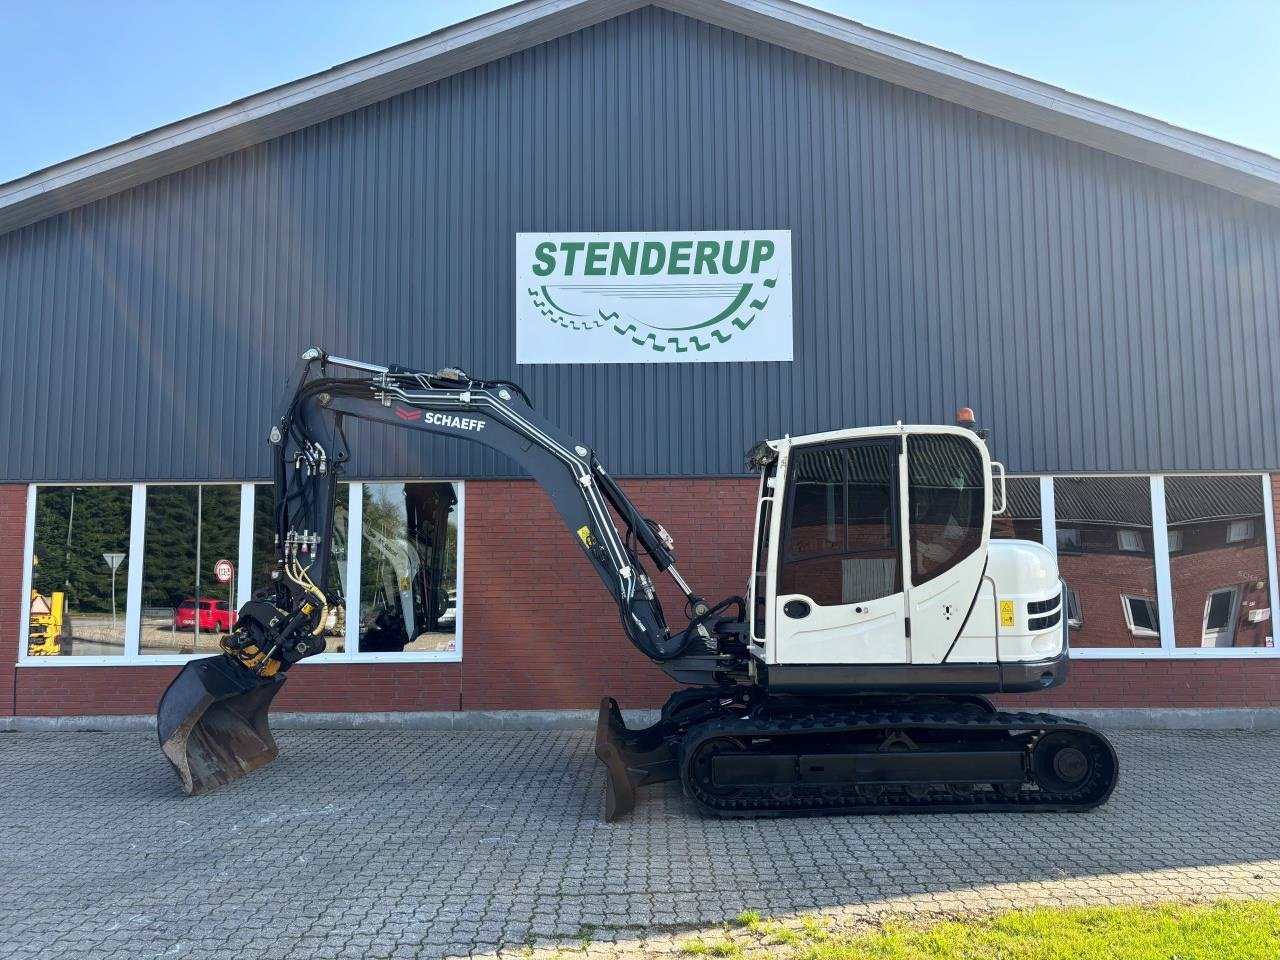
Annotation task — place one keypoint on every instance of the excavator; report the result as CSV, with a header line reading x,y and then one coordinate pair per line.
x,y
48,626
851,676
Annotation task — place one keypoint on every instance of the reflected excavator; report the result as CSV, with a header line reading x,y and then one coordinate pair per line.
x,y
849,678
48,625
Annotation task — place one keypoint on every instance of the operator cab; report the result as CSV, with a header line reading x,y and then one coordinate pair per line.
x,y
874,569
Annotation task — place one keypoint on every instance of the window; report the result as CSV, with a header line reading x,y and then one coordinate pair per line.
x,y
1219,617
1239,530
1070,540
1141,616
187,530
80,571
1129,541
1220,575
136,574
1175,540
946,499
842,535
1104,554
409,568
1021,518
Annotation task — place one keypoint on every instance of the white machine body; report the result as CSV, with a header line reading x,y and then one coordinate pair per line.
x,y
873,551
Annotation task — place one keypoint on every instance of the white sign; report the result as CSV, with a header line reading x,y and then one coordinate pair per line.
x,y
653,297
113,560
224,571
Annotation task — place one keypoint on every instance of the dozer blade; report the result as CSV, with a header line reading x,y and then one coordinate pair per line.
x,y
631,758
212,722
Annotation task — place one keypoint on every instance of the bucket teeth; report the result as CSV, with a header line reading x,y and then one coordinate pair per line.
x,y
212,723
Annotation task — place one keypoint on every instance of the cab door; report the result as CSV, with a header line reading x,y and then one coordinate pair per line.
x,y
839,595
948,522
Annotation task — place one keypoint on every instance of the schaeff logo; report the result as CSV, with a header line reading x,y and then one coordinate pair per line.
x,y
441,419
636,298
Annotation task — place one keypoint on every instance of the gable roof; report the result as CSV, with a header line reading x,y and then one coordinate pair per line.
x,y
815,33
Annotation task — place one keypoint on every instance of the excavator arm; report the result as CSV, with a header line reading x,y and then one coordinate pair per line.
x,y
212,721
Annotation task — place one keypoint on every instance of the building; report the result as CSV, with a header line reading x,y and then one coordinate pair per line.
x,y
1100,286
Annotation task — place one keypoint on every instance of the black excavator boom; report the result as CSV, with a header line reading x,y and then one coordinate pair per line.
x,y
212,720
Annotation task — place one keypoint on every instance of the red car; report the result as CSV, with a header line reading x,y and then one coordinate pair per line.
x,y
215,616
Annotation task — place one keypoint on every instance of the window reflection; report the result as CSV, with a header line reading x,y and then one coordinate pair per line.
x,y
842,543
188,529
946,500
1021,518
409,568
80,571
1105,555
1221,592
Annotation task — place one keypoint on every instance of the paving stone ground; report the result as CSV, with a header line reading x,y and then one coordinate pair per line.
x,y
363,844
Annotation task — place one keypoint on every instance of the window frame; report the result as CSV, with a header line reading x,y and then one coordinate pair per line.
x,y
1126,601
133,657
1077,549
1168,649
1131,535
1233,611
1048,526
1248,534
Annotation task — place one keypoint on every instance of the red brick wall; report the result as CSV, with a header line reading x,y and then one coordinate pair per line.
x,y
80,691
1162,683
540,633
539,630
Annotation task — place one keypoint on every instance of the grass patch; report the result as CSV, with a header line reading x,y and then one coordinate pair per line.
x,y
749,919
1229,930
714,948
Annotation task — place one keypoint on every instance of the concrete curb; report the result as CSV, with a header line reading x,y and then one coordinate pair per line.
x,y
1171,718
1134,718
459,720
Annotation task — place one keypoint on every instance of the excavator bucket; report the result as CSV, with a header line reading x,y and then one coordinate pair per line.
x,y
631,758
212,722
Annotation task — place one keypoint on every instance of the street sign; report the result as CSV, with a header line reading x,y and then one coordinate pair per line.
x,y
113,561
224,571
40,606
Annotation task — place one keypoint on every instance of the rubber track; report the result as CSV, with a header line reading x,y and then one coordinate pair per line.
x,y
810,801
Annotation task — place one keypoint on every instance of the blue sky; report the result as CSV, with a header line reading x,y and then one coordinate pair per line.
x,y
78,75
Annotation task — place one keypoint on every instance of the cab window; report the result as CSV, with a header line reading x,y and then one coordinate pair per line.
x,y
841,533
946,501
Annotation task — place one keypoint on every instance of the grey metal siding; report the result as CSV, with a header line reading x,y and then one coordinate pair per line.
x,y
1099,314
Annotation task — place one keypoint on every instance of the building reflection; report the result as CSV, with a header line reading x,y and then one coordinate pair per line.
x,y
1218,561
